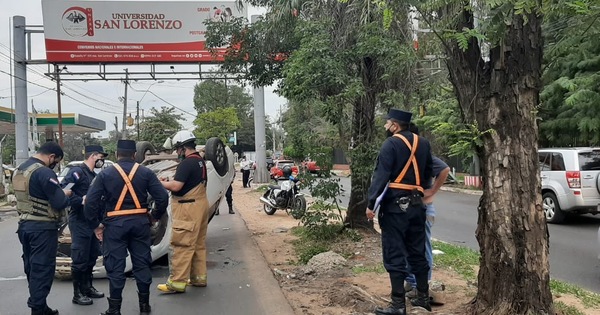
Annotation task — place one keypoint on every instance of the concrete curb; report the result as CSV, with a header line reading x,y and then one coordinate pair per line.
x,y
462,190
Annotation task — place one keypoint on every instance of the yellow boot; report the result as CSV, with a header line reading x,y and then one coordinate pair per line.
x,y
197,281
172,287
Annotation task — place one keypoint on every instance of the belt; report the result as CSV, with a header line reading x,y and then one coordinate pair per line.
x,y
186,201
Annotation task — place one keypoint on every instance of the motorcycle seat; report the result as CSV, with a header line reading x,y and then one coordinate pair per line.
x,y
274,187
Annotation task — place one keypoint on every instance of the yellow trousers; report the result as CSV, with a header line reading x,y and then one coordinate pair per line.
x,y
188,239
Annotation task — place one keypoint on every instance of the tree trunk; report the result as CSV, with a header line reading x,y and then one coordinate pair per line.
x,y
501,96
362,156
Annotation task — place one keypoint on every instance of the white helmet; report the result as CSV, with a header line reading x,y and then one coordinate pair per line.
x,y
182,137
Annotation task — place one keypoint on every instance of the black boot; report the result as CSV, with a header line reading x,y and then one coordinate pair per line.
x,y
78,296
144,299
422,300
88,289
49,311
396,307
114,307
44,311
231,209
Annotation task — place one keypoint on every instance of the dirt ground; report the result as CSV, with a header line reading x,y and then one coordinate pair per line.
x,y
340,291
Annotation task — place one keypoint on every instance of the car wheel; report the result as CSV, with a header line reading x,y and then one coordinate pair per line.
x,y
158,230
299,207
143,149
269,210
552,209
215,152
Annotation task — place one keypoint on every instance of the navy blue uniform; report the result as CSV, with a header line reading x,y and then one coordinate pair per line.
x,y
124,233
39,238
85,247
402,232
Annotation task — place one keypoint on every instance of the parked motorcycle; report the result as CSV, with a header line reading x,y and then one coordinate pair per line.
x,y
286,197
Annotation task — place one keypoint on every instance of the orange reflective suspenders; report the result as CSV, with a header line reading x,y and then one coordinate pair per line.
x,y
411,161
127,187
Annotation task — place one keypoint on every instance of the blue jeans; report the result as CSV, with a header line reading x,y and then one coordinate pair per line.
x,y
428,250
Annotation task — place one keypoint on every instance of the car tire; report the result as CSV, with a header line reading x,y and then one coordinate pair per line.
x,y
215,152
158,230
143,148
552,209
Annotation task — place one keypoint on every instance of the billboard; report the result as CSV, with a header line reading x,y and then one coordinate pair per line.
x,y
131,31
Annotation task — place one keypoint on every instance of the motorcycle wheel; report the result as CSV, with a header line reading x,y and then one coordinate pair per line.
x,y
299,207
269,210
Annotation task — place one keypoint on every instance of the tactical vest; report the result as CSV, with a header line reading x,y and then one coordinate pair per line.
x,y
29,207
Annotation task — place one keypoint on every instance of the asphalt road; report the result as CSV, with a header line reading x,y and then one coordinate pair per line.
x,y
239,280
573,245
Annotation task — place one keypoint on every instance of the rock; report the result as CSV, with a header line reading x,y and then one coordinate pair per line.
x,y
280,230
279,272
325,262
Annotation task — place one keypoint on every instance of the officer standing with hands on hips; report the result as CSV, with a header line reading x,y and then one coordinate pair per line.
x,y
41,206
118,198
404,165
85,247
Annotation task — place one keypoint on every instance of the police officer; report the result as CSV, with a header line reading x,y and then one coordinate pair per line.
x,y
41,206
190,217
404,165
118,198
85,247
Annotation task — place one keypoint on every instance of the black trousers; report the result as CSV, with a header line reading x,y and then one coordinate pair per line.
x,y
245,177
85,247
229,197
123,235
403,240
39,261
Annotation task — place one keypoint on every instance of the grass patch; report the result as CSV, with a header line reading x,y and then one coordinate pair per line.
x,y
565,309
373,268
320,239
588,299
262,188
460,259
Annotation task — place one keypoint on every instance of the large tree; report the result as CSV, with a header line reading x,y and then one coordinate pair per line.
x,y
159,125
499,92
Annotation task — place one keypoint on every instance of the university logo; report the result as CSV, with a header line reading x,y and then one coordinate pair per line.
x,y
78,22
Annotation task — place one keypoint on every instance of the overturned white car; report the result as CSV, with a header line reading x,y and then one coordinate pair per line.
x,y
219,162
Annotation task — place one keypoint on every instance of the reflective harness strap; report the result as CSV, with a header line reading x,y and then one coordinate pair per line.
x,y
203,166
127,187
412,161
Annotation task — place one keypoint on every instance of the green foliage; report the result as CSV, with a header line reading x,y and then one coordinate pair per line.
x,y
160,125
8,149
320,239
219,122
460,259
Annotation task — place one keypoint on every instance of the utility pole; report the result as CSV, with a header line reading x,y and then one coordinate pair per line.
x,y
116,128
137,117
261,174
20,86
58,103
124,131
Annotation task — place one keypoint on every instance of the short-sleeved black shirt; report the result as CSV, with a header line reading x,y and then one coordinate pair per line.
x,y
190,172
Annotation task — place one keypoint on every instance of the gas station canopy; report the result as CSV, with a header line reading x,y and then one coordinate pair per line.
x,y
71,123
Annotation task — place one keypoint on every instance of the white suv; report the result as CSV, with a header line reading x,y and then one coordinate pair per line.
x,y
570,182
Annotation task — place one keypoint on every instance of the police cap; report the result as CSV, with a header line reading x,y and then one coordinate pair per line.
x,y
399,115
126,145
95,148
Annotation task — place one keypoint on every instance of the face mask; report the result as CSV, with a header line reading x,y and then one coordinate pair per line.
x,y
52,164
99,163
181,154
388,133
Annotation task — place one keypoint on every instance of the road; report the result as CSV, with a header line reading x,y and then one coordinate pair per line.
x,y
573,245
239,280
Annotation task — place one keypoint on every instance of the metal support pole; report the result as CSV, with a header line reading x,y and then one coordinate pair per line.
x,y
20,85
58,103
124,131
137,118
261,174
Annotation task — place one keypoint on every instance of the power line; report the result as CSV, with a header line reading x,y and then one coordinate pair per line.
x,y
90,106
30,82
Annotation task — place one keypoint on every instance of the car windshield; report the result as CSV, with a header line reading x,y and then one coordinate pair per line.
x,y
589,161
64,171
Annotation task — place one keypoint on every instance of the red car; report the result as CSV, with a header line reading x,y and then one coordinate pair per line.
x,y
276,170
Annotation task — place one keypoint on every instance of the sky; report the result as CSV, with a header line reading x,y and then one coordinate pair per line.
x,y
98,99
